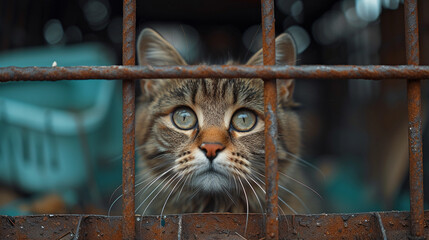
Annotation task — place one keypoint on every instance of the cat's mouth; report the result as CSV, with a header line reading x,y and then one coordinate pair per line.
x,y
211,180
212,172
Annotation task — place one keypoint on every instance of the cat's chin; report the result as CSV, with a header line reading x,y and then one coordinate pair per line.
x,y
211,182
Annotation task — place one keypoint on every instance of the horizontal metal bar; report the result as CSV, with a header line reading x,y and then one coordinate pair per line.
x,y
210,226
214,71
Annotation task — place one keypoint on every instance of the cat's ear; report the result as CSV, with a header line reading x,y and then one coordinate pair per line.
x,y
285,55
285,52
285,88
154,50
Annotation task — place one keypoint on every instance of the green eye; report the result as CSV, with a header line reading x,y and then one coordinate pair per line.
x,y
243,120
184,118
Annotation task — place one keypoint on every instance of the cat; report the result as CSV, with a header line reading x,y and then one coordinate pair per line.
x,y
201,141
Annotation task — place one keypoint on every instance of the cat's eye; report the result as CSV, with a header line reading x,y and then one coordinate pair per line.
x,y
184,118
243,120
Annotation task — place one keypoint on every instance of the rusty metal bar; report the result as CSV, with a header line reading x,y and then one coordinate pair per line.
x,y
270,106
128,119
214,71
210,226
415,152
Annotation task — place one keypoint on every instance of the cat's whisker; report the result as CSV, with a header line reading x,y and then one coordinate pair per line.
x,y
140,183
168,183
256,195
229,196
290,192
119,197
288,206
247,205
141,174
146,187
111,206
196,190
281,210
233,178
111,196
149,171
296,196
141,204
149,185
265,192
195,193
295,180
172,190
236,184
181,189
302,184
306,163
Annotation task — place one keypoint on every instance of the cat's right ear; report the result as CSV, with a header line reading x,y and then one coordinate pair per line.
x,y
285,55
154,50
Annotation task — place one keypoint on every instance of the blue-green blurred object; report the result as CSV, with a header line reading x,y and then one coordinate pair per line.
x,y
53,133
346,189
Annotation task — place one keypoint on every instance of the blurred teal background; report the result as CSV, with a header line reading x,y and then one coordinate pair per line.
x,y
64,137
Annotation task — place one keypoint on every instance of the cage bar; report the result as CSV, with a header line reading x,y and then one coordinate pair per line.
x,y
270,106
321,72
415,152
210,226
128,119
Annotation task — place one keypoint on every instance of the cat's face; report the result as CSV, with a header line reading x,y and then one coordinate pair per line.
x,y
210,129
209,132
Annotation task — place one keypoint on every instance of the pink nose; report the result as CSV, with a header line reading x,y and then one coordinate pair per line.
x,y
211,149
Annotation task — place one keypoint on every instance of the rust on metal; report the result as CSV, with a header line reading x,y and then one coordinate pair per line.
x,y
213,71
210,226
270,105
128,120
414,123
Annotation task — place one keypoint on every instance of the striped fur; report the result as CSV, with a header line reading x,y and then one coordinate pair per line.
x,y
175,175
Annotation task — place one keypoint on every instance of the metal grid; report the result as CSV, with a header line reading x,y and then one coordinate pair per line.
x,y
202,226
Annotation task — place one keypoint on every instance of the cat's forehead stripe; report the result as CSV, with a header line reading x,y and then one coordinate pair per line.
x,y
212,94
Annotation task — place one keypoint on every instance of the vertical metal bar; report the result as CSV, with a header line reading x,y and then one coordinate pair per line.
x,y
270,106
414,122
128,116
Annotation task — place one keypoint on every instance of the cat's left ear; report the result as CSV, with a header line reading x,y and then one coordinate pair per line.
x,y
154,50
285,55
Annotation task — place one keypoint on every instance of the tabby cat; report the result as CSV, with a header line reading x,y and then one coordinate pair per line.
x,y
201,141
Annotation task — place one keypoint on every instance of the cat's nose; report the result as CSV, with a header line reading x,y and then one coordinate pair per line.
x,y
211,149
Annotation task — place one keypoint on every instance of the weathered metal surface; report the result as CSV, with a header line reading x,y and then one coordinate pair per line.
x,y
210,226
271,162
128,119
411,32
214,71
270,105
414,122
